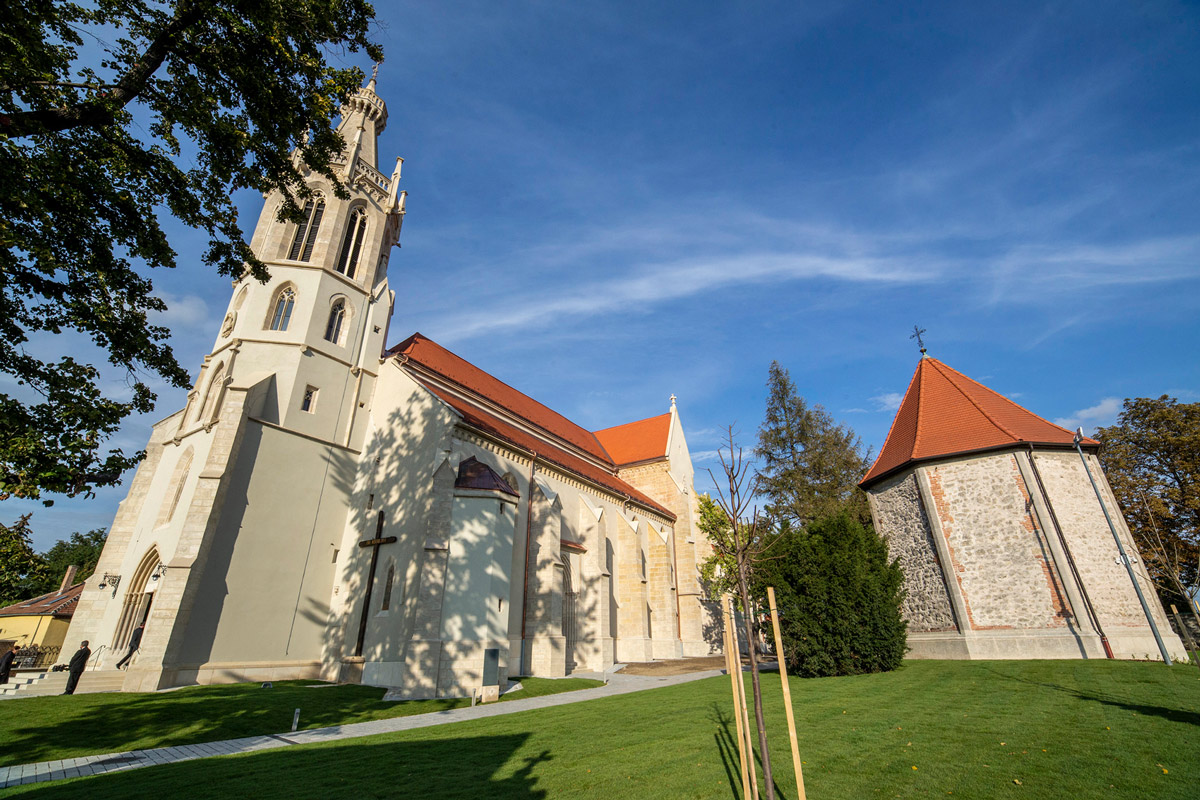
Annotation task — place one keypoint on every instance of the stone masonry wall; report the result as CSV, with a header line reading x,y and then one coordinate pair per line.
x,y
996,548
900,519
1091,542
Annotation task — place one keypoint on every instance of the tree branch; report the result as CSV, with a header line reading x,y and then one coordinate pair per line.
x,y
100,111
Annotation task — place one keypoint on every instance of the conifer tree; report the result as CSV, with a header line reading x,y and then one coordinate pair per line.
x,y
838,597
809,466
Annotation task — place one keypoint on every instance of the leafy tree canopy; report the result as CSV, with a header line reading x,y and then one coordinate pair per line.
x,y
809,466
838,597
228,96
19,564
1152,459
81,550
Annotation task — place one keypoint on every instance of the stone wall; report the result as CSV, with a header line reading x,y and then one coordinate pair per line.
x,y
997,549
1092,546
900,518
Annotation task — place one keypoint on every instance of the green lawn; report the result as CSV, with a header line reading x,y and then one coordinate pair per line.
x,y
1067,729
44,728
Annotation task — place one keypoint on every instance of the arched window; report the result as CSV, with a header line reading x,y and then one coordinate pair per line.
x,y
283,309
213,392
178,478
306,232
352,243
337,315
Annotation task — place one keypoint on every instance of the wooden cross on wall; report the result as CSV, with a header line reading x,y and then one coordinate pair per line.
x,y
374,544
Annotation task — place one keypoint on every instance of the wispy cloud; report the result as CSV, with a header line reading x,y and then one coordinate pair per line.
x,y
889,401
1103,413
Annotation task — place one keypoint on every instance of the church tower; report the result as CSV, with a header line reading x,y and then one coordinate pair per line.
x,y
245,490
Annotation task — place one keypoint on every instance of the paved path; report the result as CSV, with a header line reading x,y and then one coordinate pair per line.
x,y
116,762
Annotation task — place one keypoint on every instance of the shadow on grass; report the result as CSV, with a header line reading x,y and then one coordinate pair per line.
x,y
727,747
1165,712
44,728
484,766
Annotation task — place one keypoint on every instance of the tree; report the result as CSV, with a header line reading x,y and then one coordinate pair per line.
x,y
838,597
1152,459
19,564
809,465
231,96
81,550
733,529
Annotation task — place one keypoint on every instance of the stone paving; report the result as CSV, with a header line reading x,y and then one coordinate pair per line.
x,y
115,762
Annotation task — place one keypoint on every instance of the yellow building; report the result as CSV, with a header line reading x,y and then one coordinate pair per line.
x,y
39,626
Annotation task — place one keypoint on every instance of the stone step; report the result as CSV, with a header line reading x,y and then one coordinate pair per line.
x,y
51,683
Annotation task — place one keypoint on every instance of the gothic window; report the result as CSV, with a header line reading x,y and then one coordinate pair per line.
x,y
212,393
309,403
178,478
283,309
352,244
387,588
337,315
306,231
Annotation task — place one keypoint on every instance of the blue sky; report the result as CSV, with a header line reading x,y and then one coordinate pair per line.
x,y
610,203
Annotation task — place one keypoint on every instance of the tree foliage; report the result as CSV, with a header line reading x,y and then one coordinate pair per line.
x,y
809,465
838,597
19,564
1152,459
81,550
228,96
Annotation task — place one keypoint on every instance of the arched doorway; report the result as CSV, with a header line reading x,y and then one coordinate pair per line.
x,y
140,596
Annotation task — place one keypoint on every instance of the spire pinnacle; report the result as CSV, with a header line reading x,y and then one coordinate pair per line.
x,y
374,76
672,402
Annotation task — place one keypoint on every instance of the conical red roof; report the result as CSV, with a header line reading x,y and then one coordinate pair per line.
x,y
946,413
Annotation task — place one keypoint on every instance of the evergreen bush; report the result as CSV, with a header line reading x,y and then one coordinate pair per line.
x,y
838,597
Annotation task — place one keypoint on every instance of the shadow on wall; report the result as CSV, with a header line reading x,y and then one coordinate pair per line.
x,y
484,766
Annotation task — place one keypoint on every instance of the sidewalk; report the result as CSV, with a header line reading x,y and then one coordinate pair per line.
x,y
132,759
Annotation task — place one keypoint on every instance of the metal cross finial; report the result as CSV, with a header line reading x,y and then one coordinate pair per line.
x,y
374,71
917,335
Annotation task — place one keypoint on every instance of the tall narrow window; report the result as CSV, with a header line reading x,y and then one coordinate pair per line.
x,y
387,588
179,478
337,315
283,310
306,232
309,403
213,394
352,244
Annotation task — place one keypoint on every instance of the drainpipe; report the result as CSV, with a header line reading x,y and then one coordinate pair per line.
x,y
525,570
1162,648
1087,600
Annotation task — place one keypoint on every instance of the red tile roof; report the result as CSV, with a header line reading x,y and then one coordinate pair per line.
x,y
57,604
436,358
944,413
475,383
632,442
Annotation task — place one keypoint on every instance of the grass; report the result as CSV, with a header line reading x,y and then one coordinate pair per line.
x,y
971,729
44,728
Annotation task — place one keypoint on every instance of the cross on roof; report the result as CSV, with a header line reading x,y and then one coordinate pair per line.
x,y
917,335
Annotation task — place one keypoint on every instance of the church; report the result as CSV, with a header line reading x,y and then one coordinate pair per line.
x,y
1005,546
323,508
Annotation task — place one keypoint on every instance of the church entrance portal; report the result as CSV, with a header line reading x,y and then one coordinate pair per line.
x,y
135,610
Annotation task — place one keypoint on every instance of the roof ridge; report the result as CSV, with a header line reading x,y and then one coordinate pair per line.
x,y
971,400
1014,404
587,435
632,422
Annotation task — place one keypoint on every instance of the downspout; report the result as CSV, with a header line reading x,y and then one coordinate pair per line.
x,y
1087,600
525,569
1162,648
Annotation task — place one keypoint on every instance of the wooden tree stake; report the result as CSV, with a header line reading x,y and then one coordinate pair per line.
x,y
732,665
741,681
787,695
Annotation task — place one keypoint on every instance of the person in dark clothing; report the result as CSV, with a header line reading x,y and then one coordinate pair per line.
x,y
135,641
6,662
75,668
